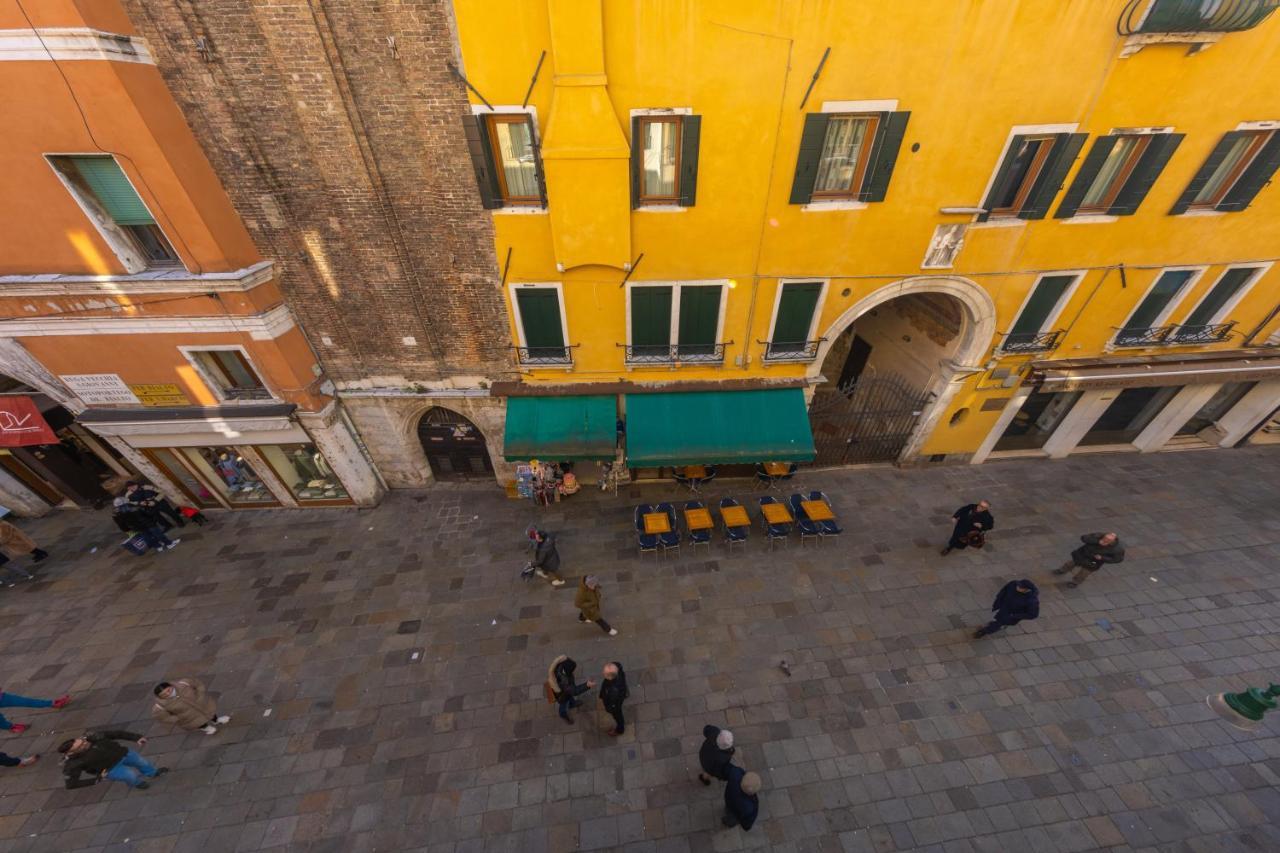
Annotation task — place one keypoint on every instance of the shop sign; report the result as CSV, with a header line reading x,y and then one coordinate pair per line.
x,y
100,389
21,423
160,395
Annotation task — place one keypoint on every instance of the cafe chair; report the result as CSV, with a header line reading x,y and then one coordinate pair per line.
x,y
648,542
734,535
829,528
711,475
669,541
698,537
808,529
773,532
763,479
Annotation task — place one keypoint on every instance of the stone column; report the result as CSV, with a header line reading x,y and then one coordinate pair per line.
x,y
1083,415
1244,415
18,499
331,435
1170,419
1002,423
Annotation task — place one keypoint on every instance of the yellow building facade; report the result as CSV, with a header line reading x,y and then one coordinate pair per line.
x,y
965,228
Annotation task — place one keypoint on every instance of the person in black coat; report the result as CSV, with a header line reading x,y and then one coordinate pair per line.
x,y
741,805
969,518
99,756
546,557
716,754
1098,550
147,497
561,685
1017,600
613,692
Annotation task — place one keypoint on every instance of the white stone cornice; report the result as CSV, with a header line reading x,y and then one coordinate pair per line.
x,y
66,44
147,282
266,326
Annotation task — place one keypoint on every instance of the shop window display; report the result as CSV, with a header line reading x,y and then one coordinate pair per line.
x,y
305,471
230,474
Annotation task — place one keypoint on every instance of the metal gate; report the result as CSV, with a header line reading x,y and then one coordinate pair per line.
x,y
868,420
455,447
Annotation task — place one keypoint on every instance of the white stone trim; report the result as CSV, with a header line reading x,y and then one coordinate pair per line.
x,y
211,382
516,286
834,204
1230,304
152,281
266,326
663,111
674,334
1258,125
1083,415
66,44
1089,219
813,321
1246,414
1174,300
1054,313
887,105
202,431
1175,413
1007,415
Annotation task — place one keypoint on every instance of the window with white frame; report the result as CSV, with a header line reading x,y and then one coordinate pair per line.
x,y
676,322
540,323
1145,323
795,314
1206,321
1030,331
229,373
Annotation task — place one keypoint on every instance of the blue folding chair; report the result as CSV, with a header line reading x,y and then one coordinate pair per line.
x,y
773,532
829,528
808,529
764,479
670,541
648,542
698,537
733,535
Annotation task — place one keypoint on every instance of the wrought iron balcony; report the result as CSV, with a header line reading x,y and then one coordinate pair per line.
x,y
1143,17
1159,336
1032,341
548,356
791,350
675,354
246,393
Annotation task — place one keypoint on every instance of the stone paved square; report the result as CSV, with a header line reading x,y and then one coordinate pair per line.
x,y
400,658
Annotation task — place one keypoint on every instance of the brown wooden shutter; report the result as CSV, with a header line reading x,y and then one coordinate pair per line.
x,y
1257,176
1084,178
1216,156
1002,177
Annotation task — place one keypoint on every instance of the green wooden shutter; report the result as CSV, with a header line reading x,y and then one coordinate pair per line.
x,y
1169,285
1084,177
1254,178
699,319
1002,177
1144,174
1048,292
536,144
540,317
637,161
795,315
690,133
1226,287
811,142
477,135
1066,146
1216,156
884,155
650,320
113,190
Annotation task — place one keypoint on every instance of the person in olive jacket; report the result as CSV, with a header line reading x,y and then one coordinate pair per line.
x,y
741,805
613,692
587,600
716,754
1098,549
968,519
97,755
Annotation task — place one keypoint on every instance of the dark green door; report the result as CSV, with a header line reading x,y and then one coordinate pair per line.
x,y
651,323
699,320
795,317
540,317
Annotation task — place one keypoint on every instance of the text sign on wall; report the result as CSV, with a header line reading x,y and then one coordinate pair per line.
x,y
160,395
101,389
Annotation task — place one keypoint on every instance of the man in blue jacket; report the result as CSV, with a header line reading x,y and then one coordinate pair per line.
x,y
741,805
1016,601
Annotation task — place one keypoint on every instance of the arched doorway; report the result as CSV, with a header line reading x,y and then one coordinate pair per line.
x,y
455,447
890,365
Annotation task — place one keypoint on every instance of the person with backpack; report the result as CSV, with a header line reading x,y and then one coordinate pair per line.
x,y
560,687
613,692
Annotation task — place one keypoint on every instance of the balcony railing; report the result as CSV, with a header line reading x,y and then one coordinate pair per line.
x,y
675,354
1159,336
1193,16
246,393
550,356
1032,341
791,350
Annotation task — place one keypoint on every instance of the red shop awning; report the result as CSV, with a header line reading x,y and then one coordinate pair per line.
x,y
22,424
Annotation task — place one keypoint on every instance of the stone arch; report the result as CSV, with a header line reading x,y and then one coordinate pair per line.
x,y
481,414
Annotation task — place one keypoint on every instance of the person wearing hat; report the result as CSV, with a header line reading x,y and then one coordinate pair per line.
x,y
546,557
715,755
1016,601
185,704
741,803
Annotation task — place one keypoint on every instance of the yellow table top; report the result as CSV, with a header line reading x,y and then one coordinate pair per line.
x,y
776,469
817,510
657,522
694,472
776,513
735,516
698,519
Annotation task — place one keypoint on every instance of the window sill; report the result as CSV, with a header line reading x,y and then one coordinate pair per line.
x,y
1205,212
518,210
1090,219
660,208
1002,222
818,206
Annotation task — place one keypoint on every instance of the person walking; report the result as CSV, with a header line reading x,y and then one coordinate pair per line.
x,y
587,601
969,519
1098,550
16,543
143,521
186,704
716,754
1016,601
546,557
148,498
13,700
741,803
7,760
97,755
561,687
613,692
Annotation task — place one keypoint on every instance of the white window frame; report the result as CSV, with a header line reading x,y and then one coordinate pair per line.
x,y
1052,317
813,321
212,383
1016,130
558,287
674,334
1187,286
660,112
480,110
118,240
1230,304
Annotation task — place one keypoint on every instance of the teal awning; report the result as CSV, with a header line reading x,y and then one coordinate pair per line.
x,y
718,428
561,428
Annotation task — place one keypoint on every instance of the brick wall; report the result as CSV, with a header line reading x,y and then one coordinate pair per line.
x,y
347,162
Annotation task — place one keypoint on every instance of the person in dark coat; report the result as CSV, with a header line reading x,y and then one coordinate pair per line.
x,y
741,805
1098,550
716,754
561,685
147,497
98,756
613,692
969,518
546,557
1017,600
133,518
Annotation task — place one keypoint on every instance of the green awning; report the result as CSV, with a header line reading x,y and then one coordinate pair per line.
x,y
718,427
561,428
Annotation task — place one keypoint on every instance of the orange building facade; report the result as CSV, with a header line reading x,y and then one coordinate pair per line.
x,y
135,309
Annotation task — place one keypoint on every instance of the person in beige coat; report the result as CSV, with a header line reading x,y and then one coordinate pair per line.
x,y
16,543
186,704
